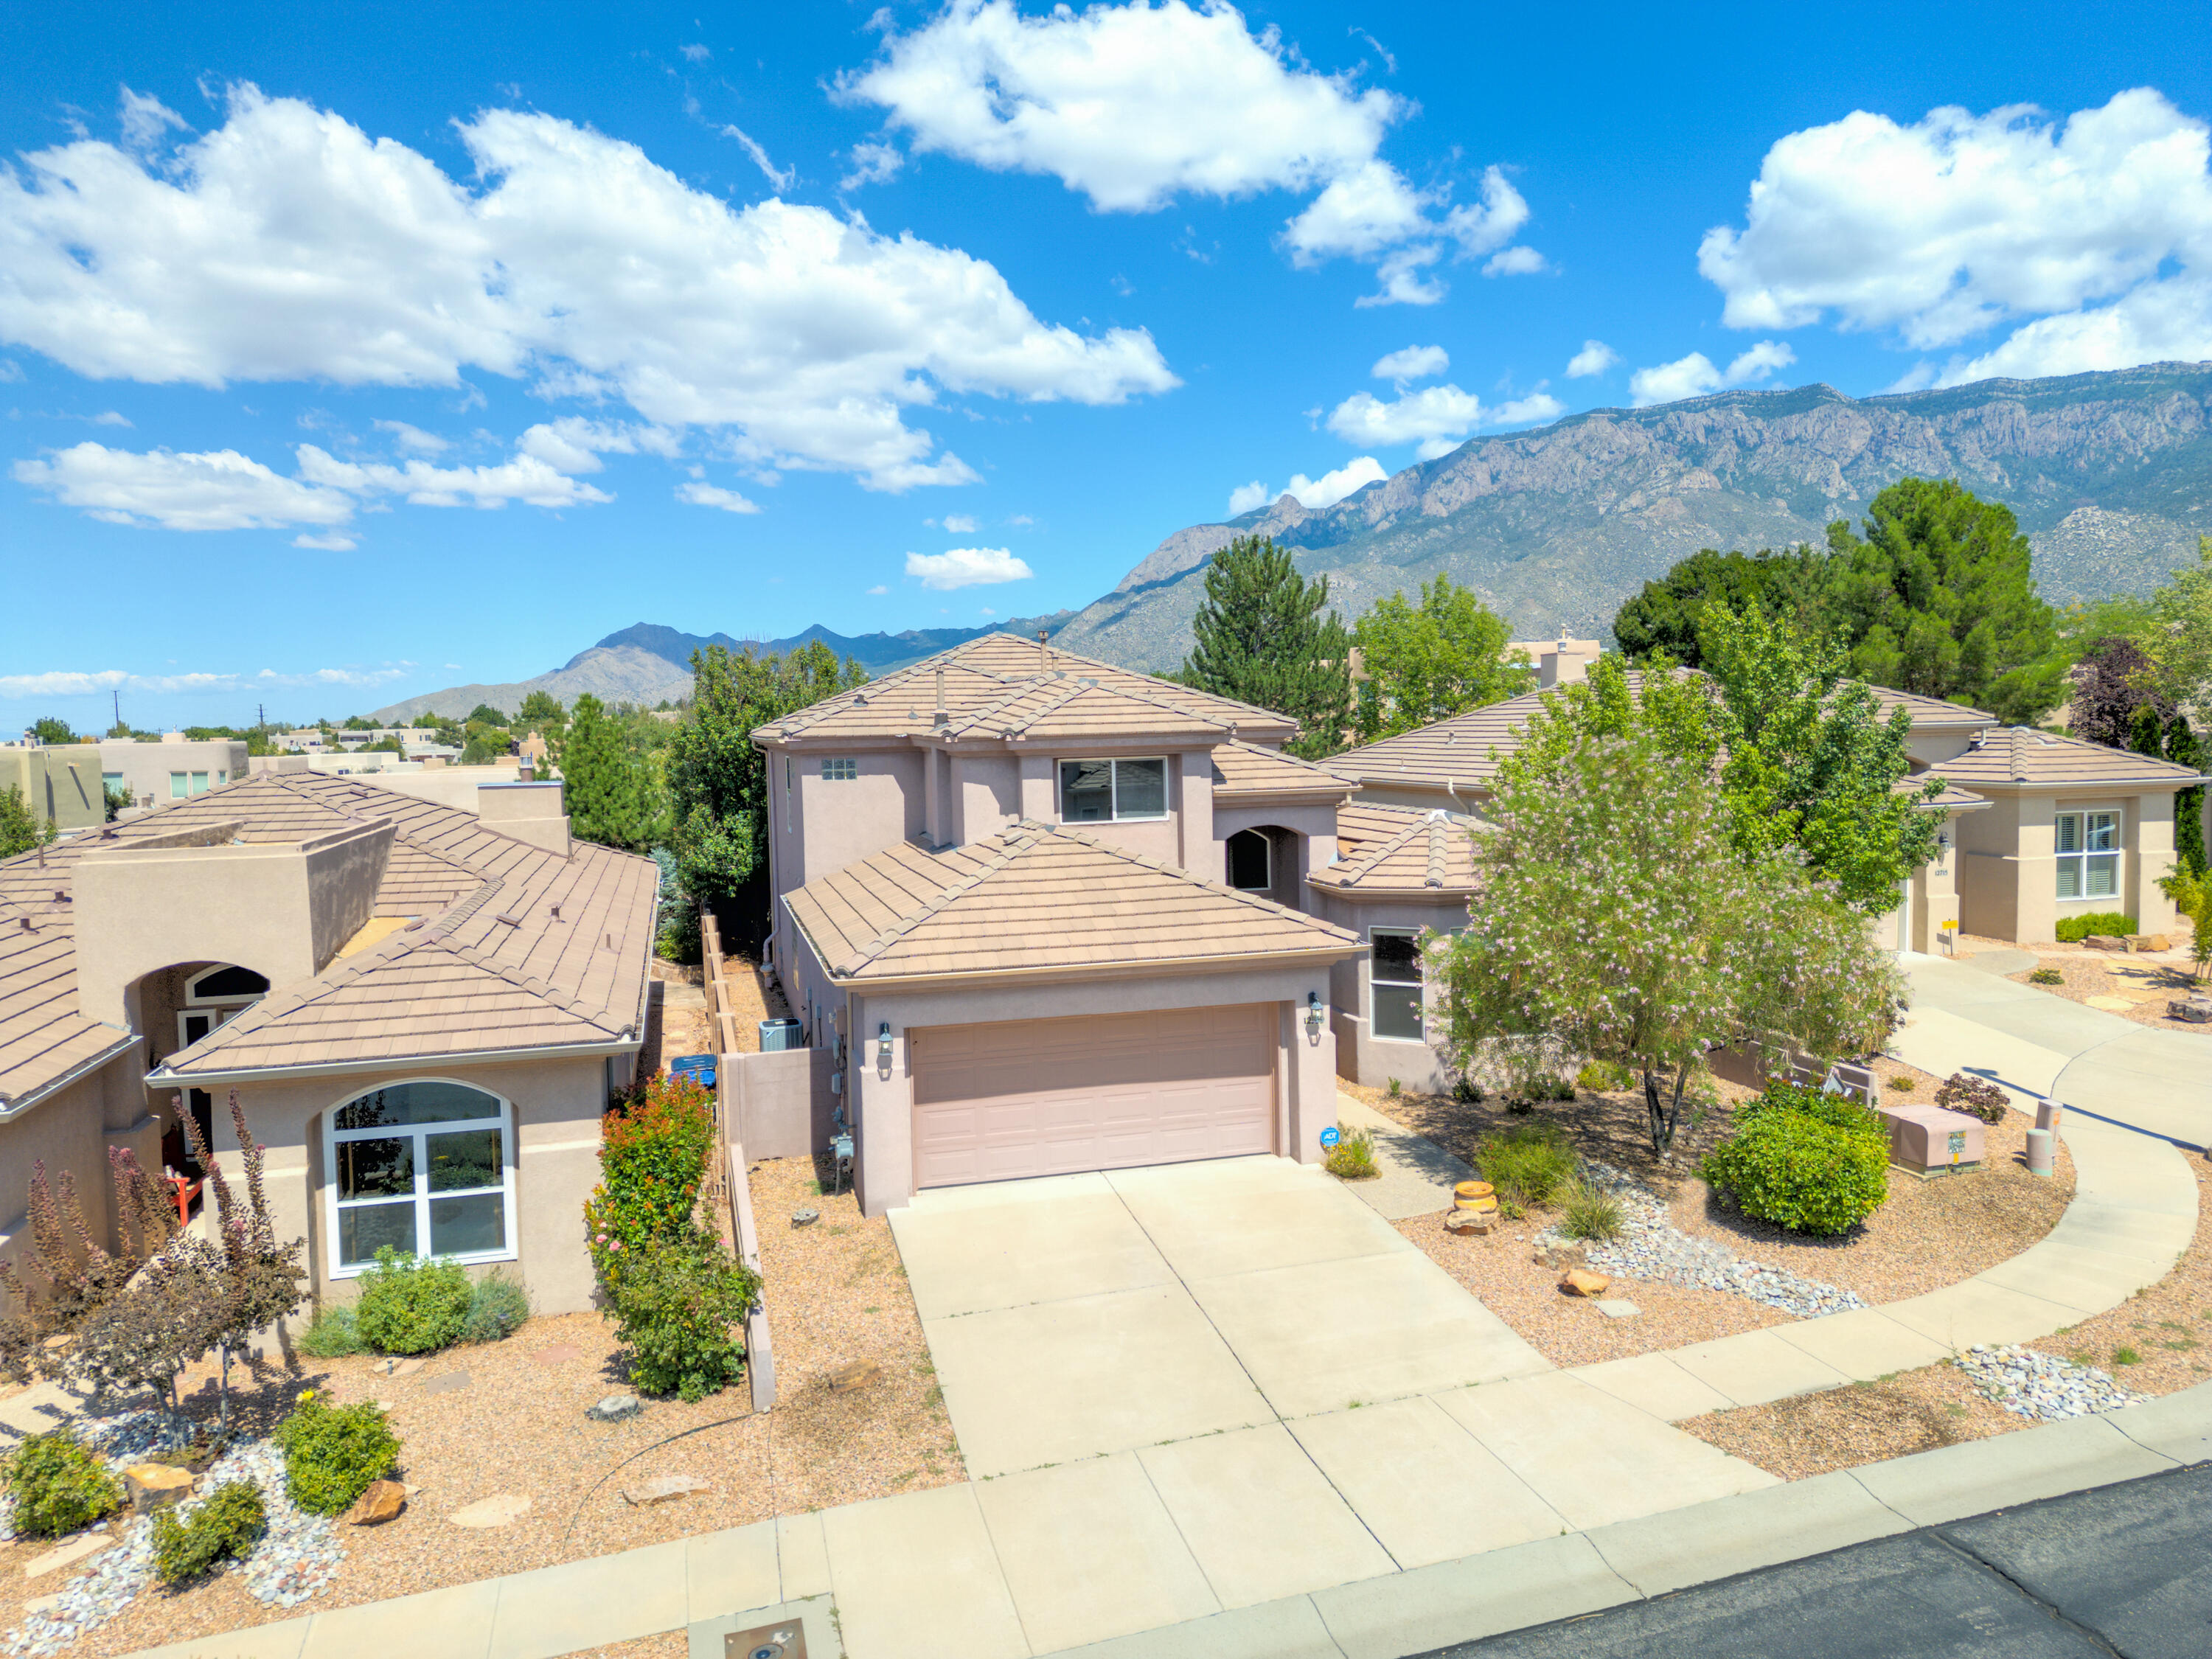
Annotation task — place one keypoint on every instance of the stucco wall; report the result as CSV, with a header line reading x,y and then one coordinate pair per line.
x,y
2008,876
145,768
1361,1055
558,1105
778,1105
846,820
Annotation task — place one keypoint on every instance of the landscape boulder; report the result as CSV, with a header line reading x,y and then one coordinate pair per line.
x,y
383,1501
614,1408
2103,942
2150,942
2196,1010
1579,1281
663,1488
849,1379
153,1487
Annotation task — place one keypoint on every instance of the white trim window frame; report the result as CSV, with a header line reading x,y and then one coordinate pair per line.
x,y
2087,844
1086,783
388,1191
1391,993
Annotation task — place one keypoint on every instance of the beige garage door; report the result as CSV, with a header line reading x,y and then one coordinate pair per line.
x,y
1049,1096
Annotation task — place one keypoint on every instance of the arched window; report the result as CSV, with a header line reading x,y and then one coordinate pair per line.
x,y
426,1167
227,984
1250,861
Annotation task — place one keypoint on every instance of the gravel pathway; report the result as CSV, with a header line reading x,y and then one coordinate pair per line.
x,y
297,1557
2028,1384
1651,1248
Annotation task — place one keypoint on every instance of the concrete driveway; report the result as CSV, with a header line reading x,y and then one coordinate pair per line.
x,y
1076,1315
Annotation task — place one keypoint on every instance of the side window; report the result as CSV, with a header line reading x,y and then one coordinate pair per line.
x,y
1395,982
841,770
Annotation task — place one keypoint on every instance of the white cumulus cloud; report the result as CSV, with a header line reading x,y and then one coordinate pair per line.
x,y
707,495
1331,488
960,524
1135,105
1694,376
1595,358
289,245
1437,418
215,489
872,164
1411,363
522,478
413,438
2090,237
145,120
1246,497
967,567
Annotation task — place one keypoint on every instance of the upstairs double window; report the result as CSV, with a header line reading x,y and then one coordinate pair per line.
x,y
2088,845
1112,791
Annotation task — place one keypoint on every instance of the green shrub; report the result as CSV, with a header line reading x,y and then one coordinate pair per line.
x,y
1528,1164
332,1333
1589,1212
229,1522
1803,1100
1903,1084
2047,977
407,1305
1975,1096
497,1308
2109,924
681,1307
653,1148
333,1452
60,1487
1599,1075
1352,1157
1396,1088
1798,1172
1467,1089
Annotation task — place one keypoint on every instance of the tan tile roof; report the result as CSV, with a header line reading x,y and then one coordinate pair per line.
x,y
488,968
1038,898
1952,799
1000,687
1244,771
1402,851
2018,754
1927,712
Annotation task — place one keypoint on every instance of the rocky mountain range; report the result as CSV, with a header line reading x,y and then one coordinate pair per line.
x,y
2110,474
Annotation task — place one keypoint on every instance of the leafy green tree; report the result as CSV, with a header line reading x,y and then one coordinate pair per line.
x,y
1425,661
2178,640
609,793
1811,762
1265,635
483,713
1674,711
541,712
1939,599
21,829
1618,922
359,723
51,732
718,780
1662,619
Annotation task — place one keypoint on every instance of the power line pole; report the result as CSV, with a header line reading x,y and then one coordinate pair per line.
x,y
116,693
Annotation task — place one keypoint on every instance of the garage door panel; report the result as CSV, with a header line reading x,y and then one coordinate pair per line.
x,y
1054,1096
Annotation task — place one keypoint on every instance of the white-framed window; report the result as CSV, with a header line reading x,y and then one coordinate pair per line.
x,y
2088,845
425,1166
226,987
1249,857
840,769
1112,791
1394,979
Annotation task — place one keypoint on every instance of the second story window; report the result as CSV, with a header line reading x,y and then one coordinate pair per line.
x,y
1108,791
841,771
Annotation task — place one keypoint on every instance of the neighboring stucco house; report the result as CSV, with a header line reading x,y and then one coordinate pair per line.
x,y
1050,915
423,1011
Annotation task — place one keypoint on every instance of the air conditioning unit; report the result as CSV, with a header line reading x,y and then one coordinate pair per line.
x,y
777,1035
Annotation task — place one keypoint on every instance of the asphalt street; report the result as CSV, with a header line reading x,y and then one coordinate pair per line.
x,y
2123,1570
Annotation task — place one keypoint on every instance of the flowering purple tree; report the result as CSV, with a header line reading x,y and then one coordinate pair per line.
x,y
1616,920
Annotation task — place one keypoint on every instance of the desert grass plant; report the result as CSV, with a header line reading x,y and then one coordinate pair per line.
x,y
227,1524
1904,1085
1528,1164
59,1485
332,1333
1352,1157
1589,1211
498,1307
2047,977
407,1305
332,1453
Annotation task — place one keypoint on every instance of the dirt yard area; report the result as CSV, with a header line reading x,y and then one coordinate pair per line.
x,y
508,1418
1927,1234
2137,987
2157,1342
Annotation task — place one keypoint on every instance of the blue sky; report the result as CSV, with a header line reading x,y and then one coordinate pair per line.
x,y
347,353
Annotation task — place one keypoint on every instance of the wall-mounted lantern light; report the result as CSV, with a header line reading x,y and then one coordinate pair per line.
x,y
1312,1018
884,1051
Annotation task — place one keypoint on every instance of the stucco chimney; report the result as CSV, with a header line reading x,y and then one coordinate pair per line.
x,y
938,718
528,812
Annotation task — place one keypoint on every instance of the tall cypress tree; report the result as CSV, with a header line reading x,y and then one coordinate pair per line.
x,y
610,792
1266,635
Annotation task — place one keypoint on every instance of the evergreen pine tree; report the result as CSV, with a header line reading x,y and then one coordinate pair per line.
x,y
2184,748
1265,636
609,794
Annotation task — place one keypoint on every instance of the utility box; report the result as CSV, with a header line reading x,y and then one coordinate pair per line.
x,y
1929,1140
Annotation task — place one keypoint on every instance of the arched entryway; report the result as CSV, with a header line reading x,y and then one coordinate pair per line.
x,y
175,1007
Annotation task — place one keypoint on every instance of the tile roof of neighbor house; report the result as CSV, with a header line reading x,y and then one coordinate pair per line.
x,y
1929,712
1001,688
1038,899
486,966
1401,851
1246,772
2019,754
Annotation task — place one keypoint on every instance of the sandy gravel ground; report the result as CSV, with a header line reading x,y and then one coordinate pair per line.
x,y
2157,1342
2143,984
1930,1233
838,1293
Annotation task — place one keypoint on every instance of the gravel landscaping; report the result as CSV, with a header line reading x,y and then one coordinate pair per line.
x,y
1701,1270
508,1418
2136,987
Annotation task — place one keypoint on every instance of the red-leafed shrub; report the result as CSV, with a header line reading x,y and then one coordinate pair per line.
x,y
653,1148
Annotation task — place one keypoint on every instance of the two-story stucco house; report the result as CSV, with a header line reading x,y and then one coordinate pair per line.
x,y
423,1009
1050,916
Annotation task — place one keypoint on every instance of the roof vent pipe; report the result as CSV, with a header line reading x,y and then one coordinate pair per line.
x,y
1045,657
940,716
